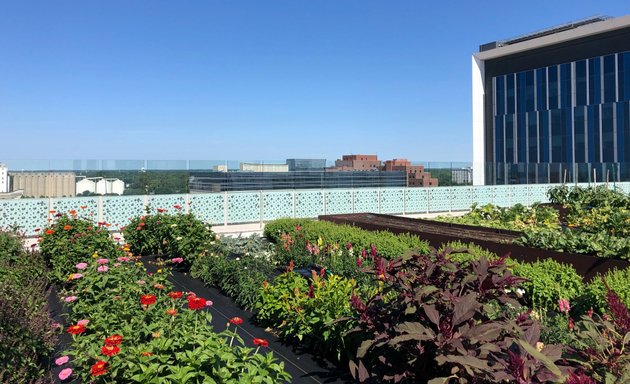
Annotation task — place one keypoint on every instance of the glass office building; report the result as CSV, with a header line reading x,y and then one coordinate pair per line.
x,y
554,106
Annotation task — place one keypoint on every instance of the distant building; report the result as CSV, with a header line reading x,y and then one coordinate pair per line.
x,y
416,175
100,186
220,168
462,176
4,178
259,167
358,163
44,184
296,165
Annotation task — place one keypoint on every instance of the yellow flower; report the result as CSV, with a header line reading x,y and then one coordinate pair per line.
x,y
159,271
95,255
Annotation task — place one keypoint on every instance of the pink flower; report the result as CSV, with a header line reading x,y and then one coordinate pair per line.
x,y
102,268
209,303
81,266
65,373
177,260
83,322
102,261
75,276
564,305
123,258
70,299
62,360
117,264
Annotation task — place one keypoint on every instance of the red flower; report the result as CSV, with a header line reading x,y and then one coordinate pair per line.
x,y
99,368
290,267
171,311
196,303
76,329
161,210
147,299
236,321
114,340
261,342
177,206
67,227
175,295
110,350
146,353
50,231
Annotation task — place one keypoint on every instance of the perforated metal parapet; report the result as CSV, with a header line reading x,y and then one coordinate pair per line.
x,y
121,209
208,207
277,205
27,214
365,200
417,200
338,201
243,207
309,204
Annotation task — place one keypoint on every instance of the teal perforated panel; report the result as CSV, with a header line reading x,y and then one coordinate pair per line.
x,y
27,214
119,210
366,200
461,198
243,207
439,199
483,195
519,194
208,207
338,201
309,204
277,205
392,200
502,195
537,193
417,200
85,207
167,202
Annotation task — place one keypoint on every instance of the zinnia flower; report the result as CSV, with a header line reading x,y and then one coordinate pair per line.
x,y
76,329
110,350
99,368
175,295
70,299
161,210
196,303
171,311
65,373
146,353
102,268
114,339
50,231
177,206
236,321
123,258
177,260
147,299
261,342
102,261
67,227
81,266
83,322
75,276
62,360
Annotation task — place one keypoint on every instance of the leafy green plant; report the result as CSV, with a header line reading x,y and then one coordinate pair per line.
x,y
71,239
517,217
307,310
179,236
436,327
595,293
389,245
547,282
27,332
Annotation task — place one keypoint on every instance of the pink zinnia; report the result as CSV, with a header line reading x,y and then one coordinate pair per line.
x,y
65,373
209,303
102,268
81,266
564,305
70,299
83,322
123,258
75,276
177,260
102,261
62,360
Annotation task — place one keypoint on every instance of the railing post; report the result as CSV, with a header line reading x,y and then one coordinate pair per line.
x,y
99,209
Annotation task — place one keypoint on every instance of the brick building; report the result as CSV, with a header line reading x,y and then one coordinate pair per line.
x,y
358,163
416,175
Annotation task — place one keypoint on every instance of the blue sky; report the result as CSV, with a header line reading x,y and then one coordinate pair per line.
x,y
251,80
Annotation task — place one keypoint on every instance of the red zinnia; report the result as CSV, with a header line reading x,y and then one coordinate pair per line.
x,y
110,350
67,227
171,311
161,210
236,321
76,329
261,342
175,295
196,303
50,231
99,368
147,299
114,340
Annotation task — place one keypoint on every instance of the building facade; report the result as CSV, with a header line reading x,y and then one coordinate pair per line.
x,y
44,184
260,167
554,106
358,163
306,164
417,176
4,178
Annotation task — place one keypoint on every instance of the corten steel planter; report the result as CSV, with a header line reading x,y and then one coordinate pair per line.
x,y
498,241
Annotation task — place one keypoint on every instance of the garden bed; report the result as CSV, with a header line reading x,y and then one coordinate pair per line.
x,y
495,240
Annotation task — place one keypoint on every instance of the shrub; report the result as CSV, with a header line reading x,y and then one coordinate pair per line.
x,y
176,236
547,282
436,327
27,334
389,245
595,293
70,240
307,310
463,253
